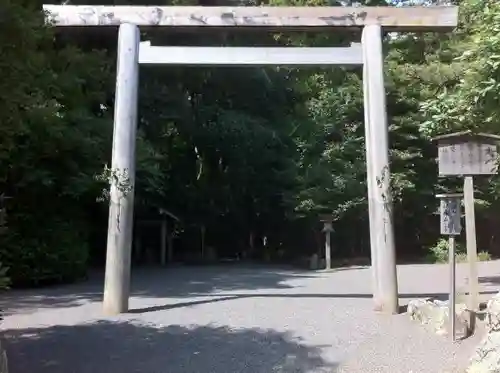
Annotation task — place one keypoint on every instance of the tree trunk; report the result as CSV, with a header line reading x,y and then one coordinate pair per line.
x,y
317,238
163,239
202,230
170,239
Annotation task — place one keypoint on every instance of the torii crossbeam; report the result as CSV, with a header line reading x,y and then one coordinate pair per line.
x,y
439,18
131,53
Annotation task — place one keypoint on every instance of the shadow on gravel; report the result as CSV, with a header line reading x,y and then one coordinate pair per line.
x,y
156,282
234,296
107,347
183,282
490,280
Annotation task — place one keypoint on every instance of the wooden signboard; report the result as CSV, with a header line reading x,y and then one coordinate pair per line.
x,y
469,158
464,153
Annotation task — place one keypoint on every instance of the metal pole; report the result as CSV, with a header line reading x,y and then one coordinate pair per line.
x,y
370,188
451,298
379,146
121,207
328,256
470,234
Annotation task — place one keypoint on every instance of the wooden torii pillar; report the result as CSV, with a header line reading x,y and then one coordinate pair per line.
x,y
372,20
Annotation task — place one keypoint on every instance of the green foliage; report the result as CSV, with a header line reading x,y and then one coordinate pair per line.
x,y
438,253
468,99
484,256
55,137
461,258
59,253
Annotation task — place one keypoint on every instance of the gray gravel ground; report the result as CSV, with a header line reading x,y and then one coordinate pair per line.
x,y
233,319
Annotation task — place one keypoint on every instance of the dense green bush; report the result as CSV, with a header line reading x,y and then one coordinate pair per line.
x,y
56,252
439,253
55,136
484,256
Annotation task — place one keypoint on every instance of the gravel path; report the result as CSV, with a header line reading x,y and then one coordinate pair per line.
x,y
233,320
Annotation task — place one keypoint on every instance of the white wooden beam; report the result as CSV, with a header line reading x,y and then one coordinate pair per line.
x,y
242,56
393,18
379,171
371,186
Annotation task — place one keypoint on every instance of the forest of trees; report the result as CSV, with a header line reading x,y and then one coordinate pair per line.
x,y
251,157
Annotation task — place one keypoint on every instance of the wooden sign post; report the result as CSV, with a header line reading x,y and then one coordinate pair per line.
x,y
328,229
466,154
451,227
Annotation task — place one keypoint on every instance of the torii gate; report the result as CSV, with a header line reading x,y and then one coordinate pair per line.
x,y
131,53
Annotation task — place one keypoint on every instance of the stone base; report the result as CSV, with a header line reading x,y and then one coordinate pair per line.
x,y
434,314
486,358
